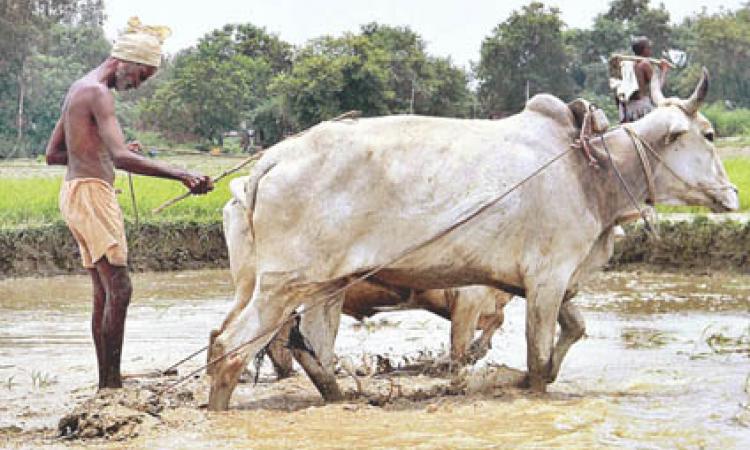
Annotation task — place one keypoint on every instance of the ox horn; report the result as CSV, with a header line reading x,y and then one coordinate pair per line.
x,y
699,95
656,95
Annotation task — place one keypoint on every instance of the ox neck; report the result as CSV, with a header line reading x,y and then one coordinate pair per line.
x,y
614,203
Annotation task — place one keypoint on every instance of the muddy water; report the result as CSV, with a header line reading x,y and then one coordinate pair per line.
x,y
644,377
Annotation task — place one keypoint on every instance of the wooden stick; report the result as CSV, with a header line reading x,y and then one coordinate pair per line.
x,y
215,180
132,199
641,58
347,115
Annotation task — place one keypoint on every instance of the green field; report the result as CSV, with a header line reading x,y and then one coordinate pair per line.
x,y
30,191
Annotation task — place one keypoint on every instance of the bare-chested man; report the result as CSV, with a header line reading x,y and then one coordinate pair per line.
x,y
88,139
640,104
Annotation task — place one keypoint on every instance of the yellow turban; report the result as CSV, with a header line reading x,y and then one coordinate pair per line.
x,y
140,43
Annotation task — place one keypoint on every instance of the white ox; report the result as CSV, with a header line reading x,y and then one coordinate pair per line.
x,y
468,308
348,197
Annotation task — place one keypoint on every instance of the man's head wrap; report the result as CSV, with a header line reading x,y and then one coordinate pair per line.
x,y
140,43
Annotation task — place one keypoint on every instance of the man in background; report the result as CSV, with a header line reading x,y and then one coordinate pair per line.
x,y
639,104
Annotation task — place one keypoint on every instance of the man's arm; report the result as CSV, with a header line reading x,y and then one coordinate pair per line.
x,y
664,68
57,152
643,73
103,107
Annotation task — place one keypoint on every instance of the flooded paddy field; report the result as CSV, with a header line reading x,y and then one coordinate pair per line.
x,y
665,364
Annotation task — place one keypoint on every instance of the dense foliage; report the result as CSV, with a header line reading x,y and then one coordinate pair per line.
x,y
242,77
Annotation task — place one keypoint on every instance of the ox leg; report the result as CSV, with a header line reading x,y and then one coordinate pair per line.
x,y
464,318
313,344
489,324
542,309
279,353
243,291
245,336
572,328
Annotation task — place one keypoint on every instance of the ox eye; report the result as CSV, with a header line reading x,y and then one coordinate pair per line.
x,y
709,136
672,137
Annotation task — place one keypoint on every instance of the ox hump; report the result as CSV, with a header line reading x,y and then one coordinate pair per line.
x,y
551,107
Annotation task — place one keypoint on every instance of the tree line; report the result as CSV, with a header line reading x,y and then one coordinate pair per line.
x,y
241,76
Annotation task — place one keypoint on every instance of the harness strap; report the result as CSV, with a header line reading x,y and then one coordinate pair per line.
x,y
647,146
649,227
638,143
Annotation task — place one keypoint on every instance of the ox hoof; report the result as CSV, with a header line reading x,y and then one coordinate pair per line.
x,y
535,384
477,351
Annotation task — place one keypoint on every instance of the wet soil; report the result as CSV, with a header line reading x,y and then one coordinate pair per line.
x,y
663,365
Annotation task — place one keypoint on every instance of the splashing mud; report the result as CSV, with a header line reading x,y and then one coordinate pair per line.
x,y
663,365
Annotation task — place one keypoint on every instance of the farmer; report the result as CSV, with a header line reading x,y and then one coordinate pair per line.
x,y
88,139
639,104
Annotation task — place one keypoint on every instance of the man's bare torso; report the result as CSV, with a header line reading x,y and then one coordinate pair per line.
x,y
87,154
643,73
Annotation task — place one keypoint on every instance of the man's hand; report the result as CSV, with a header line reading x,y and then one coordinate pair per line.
x,y
198,184
134,146
664,66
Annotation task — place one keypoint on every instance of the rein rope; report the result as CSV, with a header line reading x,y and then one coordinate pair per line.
x,y
638,144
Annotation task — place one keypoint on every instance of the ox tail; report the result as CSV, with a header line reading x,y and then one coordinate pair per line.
x,y
250,188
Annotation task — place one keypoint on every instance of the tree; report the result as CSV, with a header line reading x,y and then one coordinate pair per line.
x,y
722,43
612,32
420,84
214,87
251,41
44,44
207,96
525,50
335,75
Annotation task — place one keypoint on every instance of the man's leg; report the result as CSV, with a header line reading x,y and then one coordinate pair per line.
x,y
117,285
100,298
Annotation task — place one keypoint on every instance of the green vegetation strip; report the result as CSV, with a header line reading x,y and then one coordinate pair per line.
x,y
33,201
700,244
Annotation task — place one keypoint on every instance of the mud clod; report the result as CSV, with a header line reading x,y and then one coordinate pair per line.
x,y
119,415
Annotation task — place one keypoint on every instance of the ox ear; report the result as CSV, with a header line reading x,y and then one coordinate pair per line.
x,y
657,97
699,95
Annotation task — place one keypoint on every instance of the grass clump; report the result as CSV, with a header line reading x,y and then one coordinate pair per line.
x,y
728,122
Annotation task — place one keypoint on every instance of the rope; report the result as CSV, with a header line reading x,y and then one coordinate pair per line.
x,y
632,198
132,199
347,115
215,180
333,296
638,144
678,176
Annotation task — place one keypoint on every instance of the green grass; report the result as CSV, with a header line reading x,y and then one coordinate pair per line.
x,y
30,192
726,122
29,200
734,142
